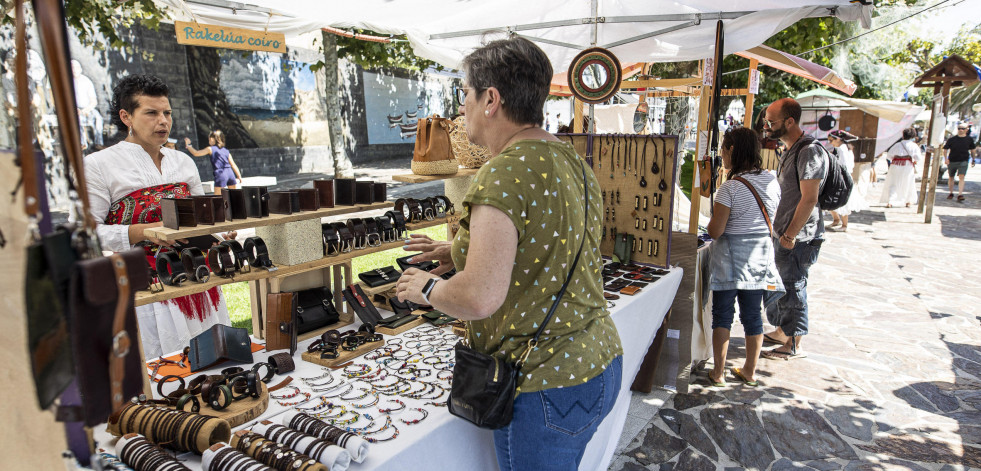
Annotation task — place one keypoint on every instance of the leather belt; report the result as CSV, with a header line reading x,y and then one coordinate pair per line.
x,y
373,235
170,270
195,264
120,338
346,236
447,205
357,227
241,258
428,209
332,240
398,223
220,260
386,231
258,253
415,212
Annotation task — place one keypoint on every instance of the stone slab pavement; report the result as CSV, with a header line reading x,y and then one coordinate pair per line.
x,y
892,377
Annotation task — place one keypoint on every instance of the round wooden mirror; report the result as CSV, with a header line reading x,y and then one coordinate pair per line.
x,y
594,75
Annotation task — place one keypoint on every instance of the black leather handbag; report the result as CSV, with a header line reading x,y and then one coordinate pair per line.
x,y
483,386
314,309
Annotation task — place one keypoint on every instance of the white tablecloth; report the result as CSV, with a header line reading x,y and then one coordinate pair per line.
x,y
446,442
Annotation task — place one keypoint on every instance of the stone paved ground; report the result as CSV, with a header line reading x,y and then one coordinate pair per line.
x,y
893,374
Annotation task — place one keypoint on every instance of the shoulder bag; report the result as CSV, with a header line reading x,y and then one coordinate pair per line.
x,y
483,386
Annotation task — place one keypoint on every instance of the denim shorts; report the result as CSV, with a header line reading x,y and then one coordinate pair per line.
x,y
551,428
224,178
957,168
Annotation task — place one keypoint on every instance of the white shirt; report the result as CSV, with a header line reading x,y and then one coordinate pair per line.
x,y
906,148
124,168
846,157
85,96
745,216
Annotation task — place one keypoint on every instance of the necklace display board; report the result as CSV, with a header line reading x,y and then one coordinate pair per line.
x,y
637,175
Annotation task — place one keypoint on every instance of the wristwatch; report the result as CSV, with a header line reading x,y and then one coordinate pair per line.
x,y
428,289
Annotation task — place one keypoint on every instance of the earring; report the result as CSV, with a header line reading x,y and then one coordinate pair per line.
x,y
486,113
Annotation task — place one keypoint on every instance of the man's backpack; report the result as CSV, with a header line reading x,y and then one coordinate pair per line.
x,y
837,186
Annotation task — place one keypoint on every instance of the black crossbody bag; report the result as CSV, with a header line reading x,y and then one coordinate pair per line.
x,y
483,386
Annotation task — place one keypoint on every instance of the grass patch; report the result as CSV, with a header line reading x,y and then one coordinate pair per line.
x,y
686,174
237,294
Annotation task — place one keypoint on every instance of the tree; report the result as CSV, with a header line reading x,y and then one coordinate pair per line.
x,y
211,110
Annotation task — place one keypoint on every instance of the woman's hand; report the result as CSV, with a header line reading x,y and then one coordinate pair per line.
x,y
187,142
436,250
410,285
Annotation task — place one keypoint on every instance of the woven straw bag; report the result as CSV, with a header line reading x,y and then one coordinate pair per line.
x,y
468,154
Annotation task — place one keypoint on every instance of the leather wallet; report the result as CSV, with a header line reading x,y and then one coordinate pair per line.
x,y
217,206
380,276
177,213
281,322
381,192
326,192
402,307
362,305
314,309
404,263
396,321
237,204
309,199
257,198
344,191
284,202
630,290
438,318
220,342
364,192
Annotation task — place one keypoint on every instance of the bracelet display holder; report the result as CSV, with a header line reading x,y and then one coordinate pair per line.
x,y
343,356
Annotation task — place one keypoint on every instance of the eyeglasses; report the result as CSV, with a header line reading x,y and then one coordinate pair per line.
x,y
770,123
962,129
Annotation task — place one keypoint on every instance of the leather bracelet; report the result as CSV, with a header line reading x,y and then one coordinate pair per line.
x,y
235,387
194,387
195,264
252,380
164,380
258,253
195,404
270,372
281,363
241,258
170,270
282,384
220,260
231,372
224,391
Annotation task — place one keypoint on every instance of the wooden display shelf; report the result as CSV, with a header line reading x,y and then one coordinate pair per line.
x,y
190,287
413,178
343,357
164,233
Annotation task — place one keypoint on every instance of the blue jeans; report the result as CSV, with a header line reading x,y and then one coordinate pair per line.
x,y
750,309
551,428
790,312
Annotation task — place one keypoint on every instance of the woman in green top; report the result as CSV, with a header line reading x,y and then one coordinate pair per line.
x,y
521,228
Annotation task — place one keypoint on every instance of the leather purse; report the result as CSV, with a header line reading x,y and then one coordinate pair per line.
x,y
104,331
326,192
344,189
281,322
220,342
380,276
426,265
314,309
362,305
433,154
402,307
483,386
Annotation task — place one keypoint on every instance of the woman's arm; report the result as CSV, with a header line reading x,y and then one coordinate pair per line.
x,y
479,290
198,152
720,216
234,168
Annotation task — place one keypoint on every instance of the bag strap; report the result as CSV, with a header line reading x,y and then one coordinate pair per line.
x,y
25,134
533,342
759,201
120,338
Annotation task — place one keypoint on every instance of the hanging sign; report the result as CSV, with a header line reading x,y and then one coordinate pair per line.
x,y
200,34
754,82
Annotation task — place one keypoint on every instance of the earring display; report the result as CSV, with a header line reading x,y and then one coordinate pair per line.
x,y
620,162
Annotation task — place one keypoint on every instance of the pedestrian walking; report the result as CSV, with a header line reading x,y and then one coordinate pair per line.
x,y
900,186
224,167
841,149
741,265
957,154
797,226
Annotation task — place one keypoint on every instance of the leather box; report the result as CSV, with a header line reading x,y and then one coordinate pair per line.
x,y
216,204
284,202
236,204
220,342
364,192
280,322
257,199
293,242
381,192
344,191
309,199
177,213
326,189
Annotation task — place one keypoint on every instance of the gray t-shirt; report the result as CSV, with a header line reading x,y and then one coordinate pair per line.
x,y
810,163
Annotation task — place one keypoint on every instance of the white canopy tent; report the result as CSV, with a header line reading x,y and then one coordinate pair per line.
x,y
446,30
894,116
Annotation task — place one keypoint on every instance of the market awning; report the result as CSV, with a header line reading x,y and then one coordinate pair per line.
x,y
800,67
893,111
446,30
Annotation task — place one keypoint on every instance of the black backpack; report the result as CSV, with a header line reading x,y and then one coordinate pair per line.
x,y
837,185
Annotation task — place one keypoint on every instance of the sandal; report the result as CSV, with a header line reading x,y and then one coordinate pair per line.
x,y
739,374
717,384
950,196
960,197
771,340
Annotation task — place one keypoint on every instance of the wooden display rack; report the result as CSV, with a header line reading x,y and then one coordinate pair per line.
x,y
344,356
413,178
237,413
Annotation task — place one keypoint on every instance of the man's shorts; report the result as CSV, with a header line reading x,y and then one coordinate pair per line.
x,y
957,168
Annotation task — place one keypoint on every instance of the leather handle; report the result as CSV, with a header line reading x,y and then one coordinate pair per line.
x,y
759,201
120,337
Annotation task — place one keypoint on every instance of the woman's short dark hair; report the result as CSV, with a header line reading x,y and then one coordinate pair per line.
x,y
519,70
909,133
124,95
745,156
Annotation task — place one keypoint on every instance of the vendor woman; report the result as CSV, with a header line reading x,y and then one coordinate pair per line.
x,y
522,225
126,182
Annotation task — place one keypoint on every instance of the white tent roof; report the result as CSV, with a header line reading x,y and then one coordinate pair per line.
x,y
894,111
446,30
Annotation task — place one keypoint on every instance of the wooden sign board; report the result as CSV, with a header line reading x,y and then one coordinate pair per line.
x,y
200,34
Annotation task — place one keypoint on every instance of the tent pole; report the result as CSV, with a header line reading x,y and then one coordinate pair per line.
x,y
594,32
701,147
748,117
932,195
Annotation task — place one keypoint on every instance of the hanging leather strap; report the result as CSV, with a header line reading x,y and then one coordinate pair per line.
x,y
759,201
25,136
120,338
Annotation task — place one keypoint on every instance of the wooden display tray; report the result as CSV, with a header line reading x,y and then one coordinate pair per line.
x,y
164,233
238,413
402,328
344,357
413,178
318,332
190,287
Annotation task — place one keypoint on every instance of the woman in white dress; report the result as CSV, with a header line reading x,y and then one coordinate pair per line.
x,y
842,150
900,185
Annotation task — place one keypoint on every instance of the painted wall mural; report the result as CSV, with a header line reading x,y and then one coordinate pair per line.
x,y
393,105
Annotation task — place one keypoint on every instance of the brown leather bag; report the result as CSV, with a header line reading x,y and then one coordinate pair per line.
x,y
280,322
433,154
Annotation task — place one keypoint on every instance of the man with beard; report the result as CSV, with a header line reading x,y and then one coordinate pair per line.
x,y
797,226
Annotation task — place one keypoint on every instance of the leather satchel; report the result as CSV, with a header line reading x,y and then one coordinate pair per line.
x,y
220,342
281,322
380,276
314,309
433,154
483,386
104,331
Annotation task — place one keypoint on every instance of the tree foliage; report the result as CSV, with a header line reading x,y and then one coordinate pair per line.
x,y
106,18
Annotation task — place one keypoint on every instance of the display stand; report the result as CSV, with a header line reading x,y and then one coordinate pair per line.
x,y
237,413
343,356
